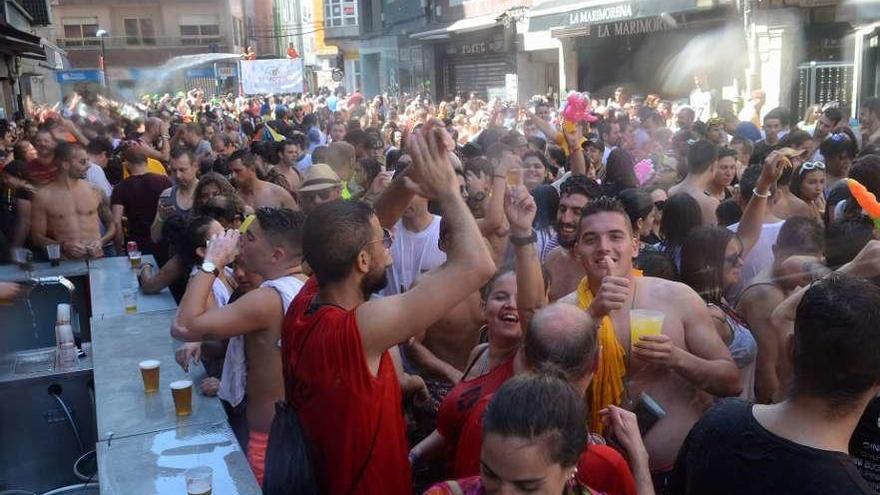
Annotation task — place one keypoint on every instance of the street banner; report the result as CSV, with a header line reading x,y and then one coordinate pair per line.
x,y
272,76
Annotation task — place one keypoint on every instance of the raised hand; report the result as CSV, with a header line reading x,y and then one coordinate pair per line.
x,y
520,208
612,294
772,169
223,248
431,174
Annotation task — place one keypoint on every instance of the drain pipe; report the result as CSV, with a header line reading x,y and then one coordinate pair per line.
x,y
55,391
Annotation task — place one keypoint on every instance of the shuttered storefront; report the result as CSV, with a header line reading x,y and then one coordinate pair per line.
x,y
476,73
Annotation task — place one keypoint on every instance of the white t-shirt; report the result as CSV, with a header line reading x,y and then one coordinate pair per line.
x,y
760,257
95,175
414,253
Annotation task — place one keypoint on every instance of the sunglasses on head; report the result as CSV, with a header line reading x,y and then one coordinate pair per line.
x,y
838,137
807,166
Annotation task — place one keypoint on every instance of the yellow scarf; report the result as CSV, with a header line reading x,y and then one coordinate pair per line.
x,y
607,385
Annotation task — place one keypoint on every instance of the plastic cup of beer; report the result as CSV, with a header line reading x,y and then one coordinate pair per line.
x,y
150,374
181,391
198,480
53,252
514,177
130,300
644,322
134,257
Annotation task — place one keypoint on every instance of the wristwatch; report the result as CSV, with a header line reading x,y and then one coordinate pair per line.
x,y
524,241
209,267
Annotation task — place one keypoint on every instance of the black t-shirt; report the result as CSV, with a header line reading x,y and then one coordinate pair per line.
x,y
729,452
864,445
139,196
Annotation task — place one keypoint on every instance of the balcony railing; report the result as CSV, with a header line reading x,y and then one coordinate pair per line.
x,y
144,42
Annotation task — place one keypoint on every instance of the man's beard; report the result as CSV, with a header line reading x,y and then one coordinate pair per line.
x,y
566,243
373,283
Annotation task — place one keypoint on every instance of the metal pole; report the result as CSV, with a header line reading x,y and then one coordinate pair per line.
x,y
104,64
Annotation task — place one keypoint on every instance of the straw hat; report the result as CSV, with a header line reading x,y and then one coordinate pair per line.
x,y
319,177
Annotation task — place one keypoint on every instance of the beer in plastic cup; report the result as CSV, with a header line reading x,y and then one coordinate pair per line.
x,y
514,177
130,301
644,322
181,391
198,480
150,374
134,257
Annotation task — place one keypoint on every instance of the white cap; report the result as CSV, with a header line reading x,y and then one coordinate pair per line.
x,y
62,314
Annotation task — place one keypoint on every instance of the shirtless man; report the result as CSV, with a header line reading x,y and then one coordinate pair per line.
x,y
680,368
565,270
701,161
272,248
799,236
290,152
69,211
254,192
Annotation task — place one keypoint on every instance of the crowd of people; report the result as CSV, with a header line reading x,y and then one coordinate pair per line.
x,y
393,295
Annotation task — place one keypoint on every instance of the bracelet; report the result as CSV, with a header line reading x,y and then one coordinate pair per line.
x,y
764,195
524,241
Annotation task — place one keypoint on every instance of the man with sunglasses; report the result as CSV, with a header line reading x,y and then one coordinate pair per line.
x,y
339,375
320,185
271,246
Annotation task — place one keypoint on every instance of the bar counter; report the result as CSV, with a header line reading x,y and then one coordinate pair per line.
x,y
143,447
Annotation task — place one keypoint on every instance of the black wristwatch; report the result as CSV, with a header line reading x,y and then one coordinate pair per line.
x,y
524,241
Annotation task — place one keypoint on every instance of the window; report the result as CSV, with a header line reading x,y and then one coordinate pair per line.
x,y
199,30
139,31
80,31
339,13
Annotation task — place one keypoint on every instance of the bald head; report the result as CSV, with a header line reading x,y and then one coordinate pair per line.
x,y
561,339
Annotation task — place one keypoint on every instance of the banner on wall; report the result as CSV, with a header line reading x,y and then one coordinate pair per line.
x,y
272,76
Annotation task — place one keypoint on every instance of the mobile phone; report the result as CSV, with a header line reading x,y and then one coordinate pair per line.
x,y
648,412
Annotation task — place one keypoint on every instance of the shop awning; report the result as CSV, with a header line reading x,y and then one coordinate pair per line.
x,y
569,14
458,27
20,43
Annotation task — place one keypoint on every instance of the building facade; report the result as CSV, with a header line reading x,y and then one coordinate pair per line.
x,y
300,26
27,60
133,38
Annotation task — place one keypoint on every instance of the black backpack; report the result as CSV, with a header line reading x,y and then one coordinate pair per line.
x,y
288,463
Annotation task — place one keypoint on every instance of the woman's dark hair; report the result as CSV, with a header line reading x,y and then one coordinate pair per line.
x,y
638,205
540,408
371,168
547,200
193,237
681,214
619,172
702,261
223,208
212,178
841,141
728,212
797,179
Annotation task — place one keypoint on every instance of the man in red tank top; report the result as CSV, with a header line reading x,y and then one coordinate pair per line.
x,y
338,373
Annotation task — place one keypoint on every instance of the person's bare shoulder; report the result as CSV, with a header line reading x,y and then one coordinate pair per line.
x,y
667,290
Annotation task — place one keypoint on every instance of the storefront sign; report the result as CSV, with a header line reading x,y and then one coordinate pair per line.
x,y
562,14
200,73
600,14
633,27
477,48
79,76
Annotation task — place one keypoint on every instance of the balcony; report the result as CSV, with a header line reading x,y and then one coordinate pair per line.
x,y
332,33
207,43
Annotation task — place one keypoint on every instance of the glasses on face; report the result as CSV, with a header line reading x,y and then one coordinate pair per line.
x,y
324,194
387,239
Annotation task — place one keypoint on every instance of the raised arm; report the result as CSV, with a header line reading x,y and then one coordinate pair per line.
x,y
520,208
392,202
749,230
494,217
577,163
544,126
196,321
389,321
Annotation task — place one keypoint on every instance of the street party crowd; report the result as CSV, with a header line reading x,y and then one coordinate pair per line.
x,y
630,295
